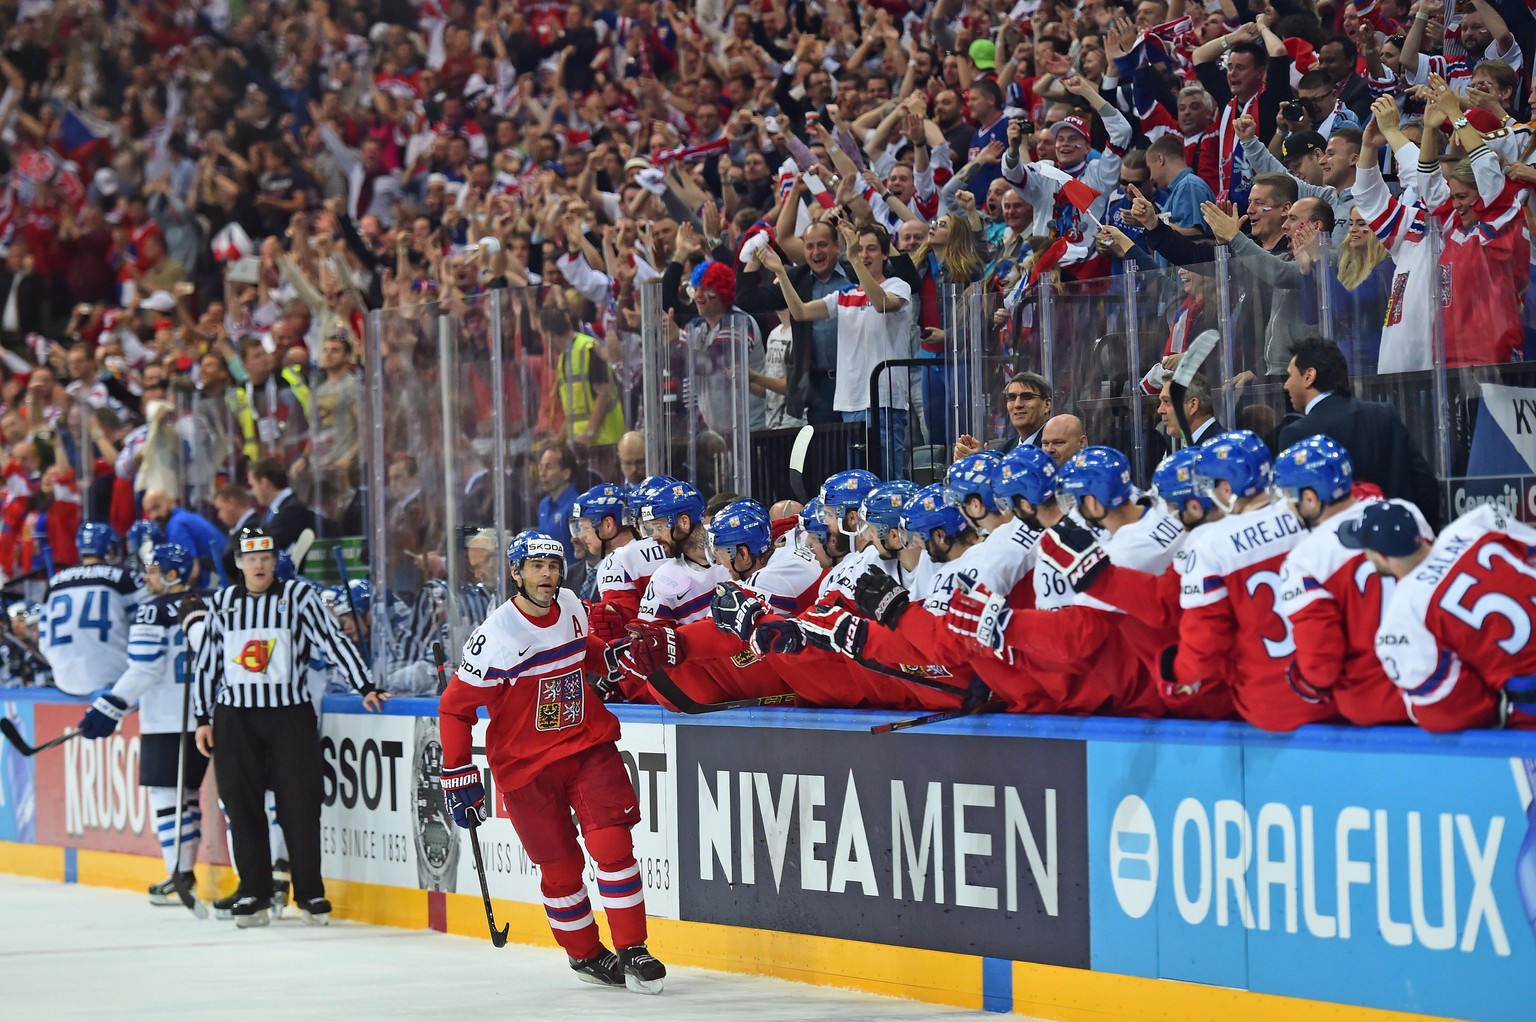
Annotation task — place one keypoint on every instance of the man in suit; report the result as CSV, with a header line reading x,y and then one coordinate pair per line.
x,y
235,511
287,516
1203,427
1380,449
1029,406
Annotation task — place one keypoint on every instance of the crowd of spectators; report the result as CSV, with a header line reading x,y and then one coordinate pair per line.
x,y
203,205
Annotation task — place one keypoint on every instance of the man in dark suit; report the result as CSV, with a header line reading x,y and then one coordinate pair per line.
x,y
287,516
1203,426
1317,382
1029,407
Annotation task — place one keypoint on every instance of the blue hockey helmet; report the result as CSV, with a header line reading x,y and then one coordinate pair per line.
x,y
1174,480
670,499
1240,458
96,539
927,511
812,521
285,567
1318,463
143,536
882,507
362,595
637,494
740,523
605,500
844,492
532,543
1099,472
972,476
1025,473
335,600
169,557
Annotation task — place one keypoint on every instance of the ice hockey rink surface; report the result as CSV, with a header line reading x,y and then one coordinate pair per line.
x,y
71,951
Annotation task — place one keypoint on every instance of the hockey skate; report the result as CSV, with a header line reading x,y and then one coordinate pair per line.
x,y
602,969
316,911
642,972
167,891
223,907
250,910
281,883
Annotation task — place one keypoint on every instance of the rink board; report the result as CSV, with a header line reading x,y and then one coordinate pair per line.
x,y
1060,868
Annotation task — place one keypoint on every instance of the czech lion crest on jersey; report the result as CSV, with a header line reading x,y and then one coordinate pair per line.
x,y
562,702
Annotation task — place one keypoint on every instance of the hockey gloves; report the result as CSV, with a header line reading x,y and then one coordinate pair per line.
x,y
778,636
880,597
736,611
1073,551
980,615
655,646
103,716
1301,686
465,793
835,628
606,623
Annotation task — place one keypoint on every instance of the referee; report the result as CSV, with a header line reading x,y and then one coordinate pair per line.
x,y
251,692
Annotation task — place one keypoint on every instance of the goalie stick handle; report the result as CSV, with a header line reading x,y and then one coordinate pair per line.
x,y
1195,354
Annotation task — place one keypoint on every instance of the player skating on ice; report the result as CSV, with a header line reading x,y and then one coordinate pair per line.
x,y
551,748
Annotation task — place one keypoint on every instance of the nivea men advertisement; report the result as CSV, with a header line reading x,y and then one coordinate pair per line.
x,y
385,820
969,844
1395,880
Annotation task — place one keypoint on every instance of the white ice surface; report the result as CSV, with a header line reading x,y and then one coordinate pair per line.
x,y
71,952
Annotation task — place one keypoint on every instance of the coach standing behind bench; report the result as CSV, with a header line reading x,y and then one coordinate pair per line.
x,y
252,694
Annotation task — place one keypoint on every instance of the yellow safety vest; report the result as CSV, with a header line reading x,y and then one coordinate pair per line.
x,y
576,395
245,414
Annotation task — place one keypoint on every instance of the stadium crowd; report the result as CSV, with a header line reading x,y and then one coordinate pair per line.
x,y
243,240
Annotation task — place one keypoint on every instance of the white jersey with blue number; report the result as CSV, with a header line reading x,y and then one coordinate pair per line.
x,y
84,634
157,666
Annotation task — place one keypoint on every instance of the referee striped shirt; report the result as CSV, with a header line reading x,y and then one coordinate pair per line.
x,y
256,646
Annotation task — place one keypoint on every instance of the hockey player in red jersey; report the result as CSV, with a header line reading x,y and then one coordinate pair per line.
x,y
603,522
1151,601
551,748
1329,593
1456,633
602,527
707,663
1231,632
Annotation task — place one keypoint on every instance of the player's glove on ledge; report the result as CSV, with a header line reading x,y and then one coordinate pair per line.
x,y
1073,551
981,616
655,646
465,794
880,597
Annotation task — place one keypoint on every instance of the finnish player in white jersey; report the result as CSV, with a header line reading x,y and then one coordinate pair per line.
x,y
85,631
156,680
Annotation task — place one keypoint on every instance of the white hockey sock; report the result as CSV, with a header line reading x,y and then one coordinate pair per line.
x,y
163,802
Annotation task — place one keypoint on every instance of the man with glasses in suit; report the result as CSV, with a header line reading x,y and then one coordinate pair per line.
x,y
1028,397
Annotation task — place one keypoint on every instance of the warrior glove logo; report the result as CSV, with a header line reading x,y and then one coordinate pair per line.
x,y
255,655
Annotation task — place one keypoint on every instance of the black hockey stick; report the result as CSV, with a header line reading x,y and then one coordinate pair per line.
x,y
364,646
188,897
797,455
687,704
12,735
935,718
498,937
1195,354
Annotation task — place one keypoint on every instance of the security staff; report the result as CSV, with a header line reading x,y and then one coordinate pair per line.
x,y
252,694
